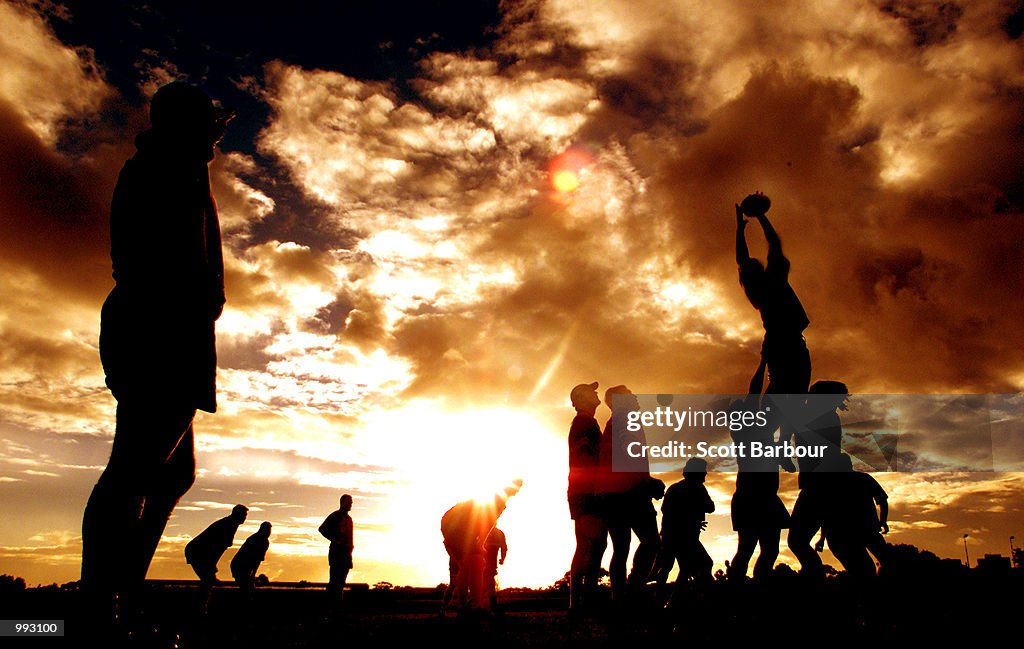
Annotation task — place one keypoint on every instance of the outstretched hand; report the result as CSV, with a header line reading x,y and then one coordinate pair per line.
x,y
703,525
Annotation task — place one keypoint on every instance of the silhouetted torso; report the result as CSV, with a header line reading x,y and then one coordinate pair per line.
x,y
782,314
157,332
686,502
584,461
210,545
251,554
339,525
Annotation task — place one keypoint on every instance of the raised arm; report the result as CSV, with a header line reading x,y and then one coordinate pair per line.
x,y
774,242
742,253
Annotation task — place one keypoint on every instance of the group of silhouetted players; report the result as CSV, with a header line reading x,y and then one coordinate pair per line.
x,y
203,552
833,498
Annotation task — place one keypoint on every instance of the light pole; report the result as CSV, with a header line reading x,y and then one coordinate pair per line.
x,y
966,555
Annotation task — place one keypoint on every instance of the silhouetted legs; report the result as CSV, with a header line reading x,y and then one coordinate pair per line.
x,y
621,536
340,563
620,528
804,524
768,539
152,464
591,541
453,576
789,373
646,528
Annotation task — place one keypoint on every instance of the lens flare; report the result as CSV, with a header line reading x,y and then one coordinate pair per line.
x,y
568,169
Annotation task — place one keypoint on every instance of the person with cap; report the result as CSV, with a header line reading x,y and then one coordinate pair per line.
x,y
584,463
338,529
625,488
204,552
156,336
247,560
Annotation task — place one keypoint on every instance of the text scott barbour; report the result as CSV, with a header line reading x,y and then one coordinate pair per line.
x,y
735,449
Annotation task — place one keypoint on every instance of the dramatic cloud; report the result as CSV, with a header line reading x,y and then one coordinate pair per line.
x,y
410,294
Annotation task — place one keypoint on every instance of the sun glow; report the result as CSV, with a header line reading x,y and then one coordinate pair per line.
x,y
440,457
568,169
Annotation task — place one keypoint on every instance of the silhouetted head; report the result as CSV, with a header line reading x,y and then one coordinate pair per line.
x,y
836,388
345,503
239,512
265,528
188,118
625,403
695,469
584,398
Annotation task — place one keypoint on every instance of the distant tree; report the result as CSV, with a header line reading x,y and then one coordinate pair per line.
x,y
383,585
11,585
562,585
783,571
262,580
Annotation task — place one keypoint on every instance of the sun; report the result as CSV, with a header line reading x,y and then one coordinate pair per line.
x,y
443,457
565,180
568,169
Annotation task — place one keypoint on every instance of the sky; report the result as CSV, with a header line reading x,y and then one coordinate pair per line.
x,y
439,217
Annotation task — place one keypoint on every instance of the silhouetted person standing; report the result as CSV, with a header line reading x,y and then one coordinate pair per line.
x,y
247,560
626,496
758,515
204,552
768,290
584,463
823,428
337,528
156,336
496,549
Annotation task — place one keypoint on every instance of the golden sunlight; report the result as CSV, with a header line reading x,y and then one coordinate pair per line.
x,y
440,457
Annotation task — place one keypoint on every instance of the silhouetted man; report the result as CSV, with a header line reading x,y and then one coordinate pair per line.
x,y
584,463
767,287
156,336
337,528
682,521
204,552
496,549
823,428
852,523
758,515
247,560
464,528
626,496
